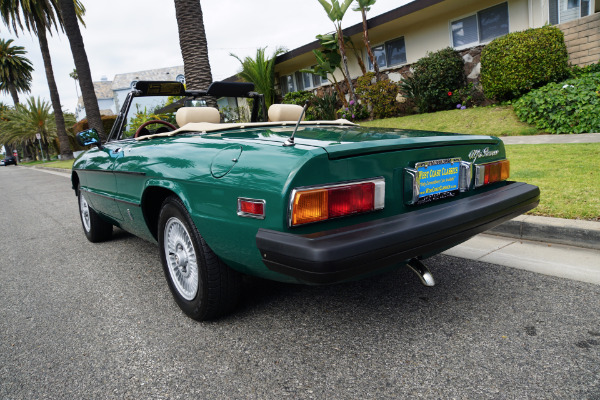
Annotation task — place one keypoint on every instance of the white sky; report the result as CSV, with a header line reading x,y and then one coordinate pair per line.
x,y
135,35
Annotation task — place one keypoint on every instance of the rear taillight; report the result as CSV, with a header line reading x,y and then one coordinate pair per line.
x,y
491,172
314,204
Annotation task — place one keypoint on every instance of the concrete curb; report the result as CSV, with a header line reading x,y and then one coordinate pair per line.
x,y
551,230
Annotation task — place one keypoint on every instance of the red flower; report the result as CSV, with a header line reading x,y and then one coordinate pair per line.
x,y
449,93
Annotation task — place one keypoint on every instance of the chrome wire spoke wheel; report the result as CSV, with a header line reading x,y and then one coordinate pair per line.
x,y
181,258
84,209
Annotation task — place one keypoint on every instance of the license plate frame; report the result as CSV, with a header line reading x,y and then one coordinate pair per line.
x,y
437,179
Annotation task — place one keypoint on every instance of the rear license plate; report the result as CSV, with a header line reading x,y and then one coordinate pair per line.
x,y
437,179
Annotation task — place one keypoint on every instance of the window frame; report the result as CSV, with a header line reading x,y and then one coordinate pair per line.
x,y
579,16
479,42
299,86
384,45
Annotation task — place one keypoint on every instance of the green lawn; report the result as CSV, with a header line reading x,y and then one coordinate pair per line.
x,y
568,176
67,164
494,120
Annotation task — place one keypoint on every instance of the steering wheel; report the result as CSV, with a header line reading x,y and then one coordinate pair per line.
x,y
153,121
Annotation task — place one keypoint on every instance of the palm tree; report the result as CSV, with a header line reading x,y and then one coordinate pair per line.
x,y
363,7
336,12
38,17
192,40
25,121
70,12
15,70
261,72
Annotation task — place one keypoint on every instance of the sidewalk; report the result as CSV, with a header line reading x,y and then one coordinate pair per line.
x,y
553,139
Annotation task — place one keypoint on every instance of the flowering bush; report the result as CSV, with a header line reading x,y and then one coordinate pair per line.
x,y
467,96
354,112
435,79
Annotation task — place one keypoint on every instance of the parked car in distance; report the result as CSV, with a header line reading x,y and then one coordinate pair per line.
x,y
10,160
309,202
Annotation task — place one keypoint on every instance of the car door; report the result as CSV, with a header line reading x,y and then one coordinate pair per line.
x,y
100,181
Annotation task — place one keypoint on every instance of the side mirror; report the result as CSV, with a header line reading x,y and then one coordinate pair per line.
x,y
88,137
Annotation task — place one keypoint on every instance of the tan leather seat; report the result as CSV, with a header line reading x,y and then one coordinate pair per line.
x,y
186,115
284,112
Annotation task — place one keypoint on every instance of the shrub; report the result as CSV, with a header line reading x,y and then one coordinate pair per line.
x,y
514,64
572,106
379,96
107,123
354,112
325,107
299,98
434,79
577,71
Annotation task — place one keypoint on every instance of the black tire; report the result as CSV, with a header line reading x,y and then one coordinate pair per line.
x,y
95,228
203,286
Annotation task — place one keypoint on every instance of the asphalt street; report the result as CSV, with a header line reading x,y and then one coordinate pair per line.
x,y
85,321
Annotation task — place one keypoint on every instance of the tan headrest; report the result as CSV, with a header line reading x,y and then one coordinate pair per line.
x,y
285,112
186,115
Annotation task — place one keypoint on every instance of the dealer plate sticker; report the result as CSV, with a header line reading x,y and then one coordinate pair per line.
x,y
437,177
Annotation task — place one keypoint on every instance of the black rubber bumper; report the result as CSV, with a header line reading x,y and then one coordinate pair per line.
x,y
340,254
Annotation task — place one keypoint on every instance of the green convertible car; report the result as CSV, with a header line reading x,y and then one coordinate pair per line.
x,y
281,198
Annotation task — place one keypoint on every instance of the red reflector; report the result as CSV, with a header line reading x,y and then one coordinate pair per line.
x,y
251,208
352,199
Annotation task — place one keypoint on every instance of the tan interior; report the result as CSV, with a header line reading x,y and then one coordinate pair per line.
x,y
186,115
284,112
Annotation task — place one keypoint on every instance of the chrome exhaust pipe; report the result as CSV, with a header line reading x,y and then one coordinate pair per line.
x,y
422,272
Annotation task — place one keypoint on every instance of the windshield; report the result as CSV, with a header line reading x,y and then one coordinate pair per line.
x,y
163,109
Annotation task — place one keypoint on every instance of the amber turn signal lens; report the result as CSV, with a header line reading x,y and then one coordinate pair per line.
x,y
310,206
492,172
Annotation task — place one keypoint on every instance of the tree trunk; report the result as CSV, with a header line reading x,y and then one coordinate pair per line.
x,y
192,40
65,148
84,75
339,91
46,147
368,44
13,93
345,62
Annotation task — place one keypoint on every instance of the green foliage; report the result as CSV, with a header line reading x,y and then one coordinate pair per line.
x,y
364,5
379,96
572,106
15,68
577,71
299,98
354,112
434,79
324,108
235,114
514,64
335,11
260,71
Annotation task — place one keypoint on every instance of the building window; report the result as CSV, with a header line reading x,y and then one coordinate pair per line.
x,y
568,10
299,81
389,54
287,84
481,27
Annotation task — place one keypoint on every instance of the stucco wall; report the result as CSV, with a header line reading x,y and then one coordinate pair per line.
x,y
582,38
